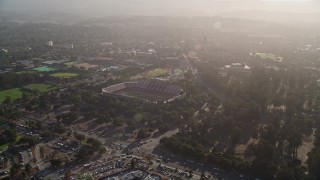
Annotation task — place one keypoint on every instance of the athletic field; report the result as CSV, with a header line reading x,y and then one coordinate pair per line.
x,y
64,75
43,69
12,93
40,87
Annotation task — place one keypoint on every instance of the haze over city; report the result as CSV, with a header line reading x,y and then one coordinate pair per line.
x,y
160,89
156,7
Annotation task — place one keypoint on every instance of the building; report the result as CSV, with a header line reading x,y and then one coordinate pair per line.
x,y
50,43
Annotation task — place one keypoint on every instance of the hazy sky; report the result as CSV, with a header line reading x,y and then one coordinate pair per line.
x,y
156,7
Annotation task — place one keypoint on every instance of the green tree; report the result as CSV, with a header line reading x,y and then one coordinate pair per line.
x,y
141,134
56,162
94,142
236,135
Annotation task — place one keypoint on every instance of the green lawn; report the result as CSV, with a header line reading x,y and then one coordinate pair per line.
x,y
268,56
64,75
40,87
138,117
12,93
25,72
43,69
70,63
158,72
145,96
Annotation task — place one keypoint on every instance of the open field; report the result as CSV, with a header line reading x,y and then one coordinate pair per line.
x,y
64,75
159,72
154,73
269,56
70,63
40,87
85,66
12,93
145,96
25,72
43,69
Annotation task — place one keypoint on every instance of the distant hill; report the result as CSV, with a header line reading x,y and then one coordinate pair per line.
x,y
299,19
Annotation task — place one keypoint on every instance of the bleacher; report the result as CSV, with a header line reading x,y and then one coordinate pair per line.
x,y
151,87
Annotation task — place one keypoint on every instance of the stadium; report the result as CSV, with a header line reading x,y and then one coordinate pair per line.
x,y
148,90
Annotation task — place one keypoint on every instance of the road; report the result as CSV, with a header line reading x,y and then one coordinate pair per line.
x,y
154,142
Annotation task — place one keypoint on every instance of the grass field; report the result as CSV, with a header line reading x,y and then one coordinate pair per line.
x,y
159,72
138,117
269,56
64,75
25,72
12,93
40,87
70,63
43,69
145,96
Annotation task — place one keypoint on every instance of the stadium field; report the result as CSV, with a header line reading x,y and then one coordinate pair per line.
x,y
154,73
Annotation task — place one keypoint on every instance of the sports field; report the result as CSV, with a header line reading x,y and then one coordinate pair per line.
x,y
25,72
154,73
70,63
159,72
12,93
145,96
64,75
43,69
40,87
269,56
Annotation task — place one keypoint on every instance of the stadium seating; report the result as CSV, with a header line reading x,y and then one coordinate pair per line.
x,y
148,87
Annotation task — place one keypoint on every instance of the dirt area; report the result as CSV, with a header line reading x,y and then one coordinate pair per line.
x,y
241,148
85,66
155,141
306,147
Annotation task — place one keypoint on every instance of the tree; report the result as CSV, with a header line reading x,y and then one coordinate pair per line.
x,y
38,125
56,162
102,150
203,176
7,100
132,163
83,176
314,163
236,135
79,137
295,140
28,168
67,175
94,142
28,139
15,171
85,152
8,136
163,128
190,173
286,173
141,134
254,134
